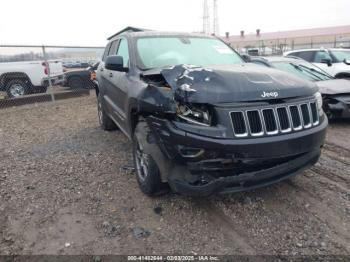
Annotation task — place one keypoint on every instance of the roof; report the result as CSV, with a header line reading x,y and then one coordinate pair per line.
x,y
133,32
128,29
316,49
313,32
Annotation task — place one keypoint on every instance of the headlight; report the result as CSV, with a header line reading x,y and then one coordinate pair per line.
x,y
319,102
194,114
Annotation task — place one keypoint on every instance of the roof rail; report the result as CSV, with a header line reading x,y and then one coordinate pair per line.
x,y
128,29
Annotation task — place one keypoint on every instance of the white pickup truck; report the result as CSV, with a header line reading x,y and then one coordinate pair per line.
x,y
21,78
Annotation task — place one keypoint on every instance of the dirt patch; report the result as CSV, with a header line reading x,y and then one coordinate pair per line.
x,y
66,188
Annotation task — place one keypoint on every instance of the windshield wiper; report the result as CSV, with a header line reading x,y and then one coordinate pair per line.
x,y
302,68
314,70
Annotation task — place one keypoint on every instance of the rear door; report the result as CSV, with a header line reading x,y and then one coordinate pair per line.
x,y
106,85
306,55
118,85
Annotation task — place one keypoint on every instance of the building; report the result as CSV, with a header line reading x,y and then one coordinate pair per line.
x,y
278,42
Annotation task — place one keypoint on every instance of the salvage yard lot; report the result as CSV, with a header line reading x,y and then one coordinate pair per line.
x,y
67,187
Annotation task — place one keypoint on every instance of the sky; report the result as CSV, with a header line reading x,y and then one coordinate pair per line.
x,y
89,23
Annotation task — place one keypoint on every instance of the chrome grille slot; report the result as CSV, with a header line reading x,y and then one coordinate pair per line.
x,y
314,113
295,116
254,121
283,119
270,121
275,119
306,115
238,122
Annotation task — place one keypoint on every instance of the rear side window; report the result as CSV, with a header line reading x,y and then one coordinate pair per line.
x,y
307,55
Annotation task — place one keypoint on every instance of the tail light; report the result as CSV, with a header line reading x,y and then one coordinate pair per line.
x,y
46,67
93,76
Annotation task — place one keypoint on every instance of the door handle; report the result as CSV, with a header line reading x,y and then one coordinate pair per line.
x,y
110,74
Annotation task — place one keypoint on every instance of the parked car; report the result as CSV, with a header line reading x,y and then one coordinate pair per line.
x,y
22,78
84,78
335,92
201,119
335,62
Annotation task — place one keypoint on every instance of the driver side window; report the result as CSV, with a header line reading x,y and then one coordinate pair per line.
x,y
123,51
321,55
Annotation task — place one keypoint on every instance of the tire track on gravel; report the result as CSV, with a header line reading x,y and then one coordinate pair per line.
x,y
329,183
337,153
224,224
325,215
331,146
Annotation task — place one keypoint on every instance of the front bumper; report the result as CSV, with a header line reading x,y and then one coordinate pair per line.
x,y
249,180
338,106
233,165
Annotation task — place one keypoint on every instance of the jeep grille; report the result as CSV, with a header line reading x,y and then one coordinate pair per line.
x,y
275,119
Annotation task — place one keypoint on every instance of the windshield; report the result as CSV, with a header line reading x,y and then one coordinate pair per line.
x,y
341,55
303,70
157,52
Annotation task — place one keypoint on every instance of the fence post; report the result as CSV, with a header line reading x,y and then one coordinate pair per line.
x,y
48,74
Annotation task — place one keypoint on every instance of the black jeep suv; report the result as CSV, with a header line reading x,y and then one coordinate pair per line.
x,y
201,119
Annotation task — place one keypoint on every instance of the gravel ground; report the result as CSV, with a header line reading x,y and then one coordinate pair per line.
x,y
66,187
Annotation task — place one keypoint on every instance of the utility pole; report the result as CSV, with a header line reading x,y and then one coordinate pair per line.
x,y
216,30
206,18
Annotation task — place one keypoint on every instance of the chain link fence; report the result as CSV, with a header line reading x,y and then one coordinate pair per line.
x,y
279,46
32,74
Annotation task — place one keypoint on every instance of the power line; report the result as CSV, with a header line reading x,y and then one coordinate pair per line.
x,y
216,30
206,18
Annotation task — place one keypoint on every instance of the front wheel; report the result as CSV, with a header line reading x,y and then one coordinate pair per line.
x,y
147,172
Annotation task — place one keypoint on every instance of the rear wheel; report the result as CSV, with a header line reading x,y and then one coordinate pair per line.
x,y
105,121
147,172
39,89
76,82
17,88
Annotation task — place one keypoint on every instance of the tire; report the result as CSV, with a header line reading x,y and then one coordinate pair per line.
x,y
147,172
105,121
75,82
39,89
17,88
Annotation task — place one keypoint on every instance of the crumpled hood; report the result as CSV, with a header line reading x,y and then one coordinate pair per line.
x,y
235,83
334,86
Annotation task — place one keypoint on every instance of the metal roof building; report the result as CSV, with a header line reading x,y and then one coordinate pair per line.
x,y
338,36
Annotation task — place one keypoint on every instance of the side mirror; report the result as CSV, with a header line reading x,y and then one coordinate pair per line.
x,y
246,58
326,61
346,61
115,63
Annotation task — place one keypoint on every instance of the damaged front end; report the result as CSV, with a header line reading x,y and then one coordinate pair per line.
x,y
210,132
337,106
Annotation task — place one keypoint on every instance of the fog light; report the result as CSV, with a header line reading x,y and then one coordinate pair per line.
x,y
190,152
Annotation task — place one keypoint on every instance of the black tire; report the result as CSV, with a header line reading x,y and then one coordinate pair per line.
x,y
105,121
76,82
39,89
147,172
17,88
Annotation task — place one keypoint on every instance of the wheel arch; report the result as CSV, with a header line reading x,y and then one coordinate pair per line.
x,y
343,75
6,77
